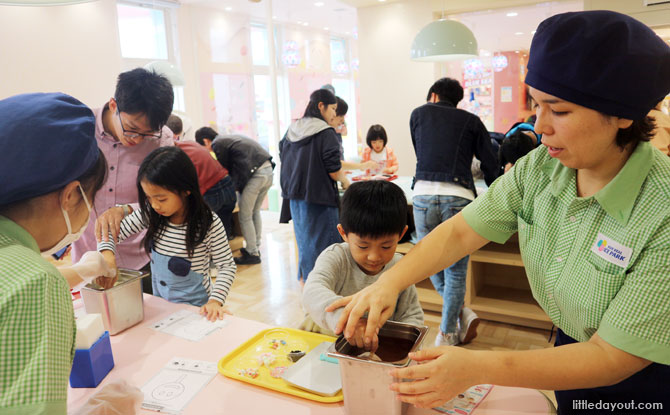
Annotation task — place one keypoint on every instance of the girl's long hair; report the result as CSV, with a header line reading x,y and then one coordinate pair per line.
x,y
170,168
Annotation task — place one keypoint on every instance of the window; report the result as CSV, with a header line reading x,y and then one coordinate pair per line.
x,y
263,104
259,45
142,32
339,62
345,89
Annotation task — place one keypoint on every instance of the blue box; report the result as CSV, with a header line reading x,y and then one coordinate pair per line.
x,y
90,366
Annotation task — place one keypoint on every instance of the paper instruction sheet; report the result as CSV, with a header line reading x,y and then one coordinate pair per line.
x,y
188,325
177,384
466,403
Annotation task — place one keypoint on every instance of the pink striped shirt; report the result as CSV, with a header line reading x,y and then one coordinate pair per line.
x,y
120,188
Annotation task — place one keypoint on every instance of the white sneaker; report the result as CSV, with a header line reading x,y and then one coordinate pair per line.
x,y
468,322
449,339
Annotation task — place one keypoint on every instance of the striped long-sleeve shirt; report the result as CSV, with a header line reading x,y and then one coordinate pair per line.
x,y
171,241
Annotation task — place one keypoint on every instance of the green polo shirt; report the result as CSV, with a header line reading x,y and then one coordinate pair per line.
x,y
37,328
595,264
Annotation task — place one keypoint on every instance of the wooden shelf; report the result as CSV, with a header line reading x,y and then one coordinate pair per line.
x,y
497,288
497,257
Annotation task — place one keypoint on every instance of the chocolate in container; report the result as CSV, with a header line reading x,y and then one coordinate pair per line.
x,y
122,305
365,379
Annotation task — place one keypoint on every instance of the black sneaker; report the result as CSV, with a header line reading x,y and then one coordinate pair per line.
x,y
247,258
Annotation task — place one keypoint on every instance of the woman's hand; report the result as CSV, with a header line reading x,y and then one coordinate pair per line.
x,y
388,170
378,299
442,373
109,221
214,310
105,281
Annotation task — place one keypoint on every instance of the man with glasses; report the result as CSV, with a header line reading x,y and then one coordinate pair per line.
x,y
127,129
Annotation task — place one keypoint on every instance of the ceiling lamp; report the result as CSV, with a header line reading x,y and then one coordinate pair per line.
x,y
444,40
41,2
168,70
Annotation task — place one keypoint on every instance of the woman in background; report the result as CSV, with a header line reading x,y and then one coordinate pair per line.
x,y
310,170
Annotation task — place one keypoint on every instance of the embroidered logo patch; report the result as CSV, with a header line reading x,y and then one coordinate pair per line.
x,y
611,251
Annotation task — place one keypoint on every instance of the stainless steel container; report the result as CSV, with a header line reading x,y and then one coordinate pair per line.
x,y
365,382
122,305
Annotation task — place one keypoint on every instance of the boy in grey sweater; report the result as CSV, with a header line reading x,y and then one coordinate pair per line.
x,y
373,218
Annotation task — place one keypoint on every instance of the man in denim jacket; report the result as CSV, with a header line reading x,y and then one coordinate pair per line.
x,y
445,139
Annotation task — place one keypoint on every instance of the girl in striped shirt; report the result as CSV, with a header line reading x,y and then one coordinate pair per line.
x,y
183,234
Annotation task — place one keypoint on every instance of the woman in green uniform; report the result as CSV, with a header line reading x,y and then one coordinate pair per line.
x,y
592,209
50,170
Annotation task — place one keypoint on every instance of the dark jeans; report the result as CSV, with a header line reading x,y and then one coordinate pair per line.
x,y
221,198
315,228
429,213
649,386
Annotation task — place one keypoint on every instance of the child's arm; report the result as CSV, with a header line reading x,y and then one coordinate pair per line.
x,y
391,161
226,268
130,225
323,287
408,309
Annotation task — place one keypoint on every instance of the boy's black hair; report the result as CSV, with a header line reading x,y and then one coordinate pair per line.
x,y
170,168
320,95
373,209
515,146
342,107
205,133
175,124
145,92
376,132
448,90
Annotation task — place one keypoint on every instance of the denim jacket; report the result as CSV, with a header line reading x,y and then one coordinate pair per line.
x,y
445,138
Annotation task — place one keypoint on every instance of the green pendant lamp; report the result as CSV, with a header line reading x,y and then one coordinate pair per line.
x,y
444,40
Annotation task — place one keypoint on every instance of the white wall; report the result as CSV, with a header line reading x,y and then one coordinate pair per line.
x,y
391,85
656,15
71,49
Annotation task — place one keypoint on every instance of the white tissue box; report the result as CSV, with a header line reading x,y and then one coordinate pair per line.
x,y
89,330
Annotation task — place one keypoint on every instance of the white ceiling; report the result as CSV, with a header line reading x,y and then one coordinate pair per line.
x,y
335,15
495,31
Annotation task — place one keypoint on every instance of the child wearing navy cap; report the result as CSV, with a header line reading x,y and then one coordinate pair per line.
x,y
591,209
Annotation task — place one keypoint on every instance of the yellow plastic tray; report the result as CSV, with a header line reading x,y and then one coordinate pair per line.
x,y
246,357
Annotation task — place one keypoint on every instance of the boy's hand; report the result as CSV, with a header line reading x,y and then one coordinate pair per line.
x,y
214,310
358,339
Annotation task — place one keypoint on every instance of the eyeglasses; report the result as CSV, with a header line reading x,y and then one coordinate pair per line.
x,y
135,134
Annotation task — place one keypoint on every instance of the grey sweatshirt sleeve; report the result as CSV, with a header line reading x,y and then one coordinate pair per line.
x,y
408,309
321,287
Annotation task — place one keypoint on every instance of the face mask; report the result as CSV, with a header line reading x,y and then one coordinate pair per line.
x,y
70,237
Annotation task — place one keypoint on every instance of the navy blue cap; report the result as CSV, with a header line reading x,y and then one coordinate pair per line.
x,y
602,60
46,141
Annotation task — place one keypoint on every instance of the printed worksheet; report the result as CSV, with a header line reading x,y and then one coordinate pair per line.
x,y
465,403
188,325
177,384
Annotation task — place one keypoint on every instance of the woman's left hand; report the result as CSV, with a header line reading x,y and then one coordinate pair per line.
x,y
213,310
442,373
